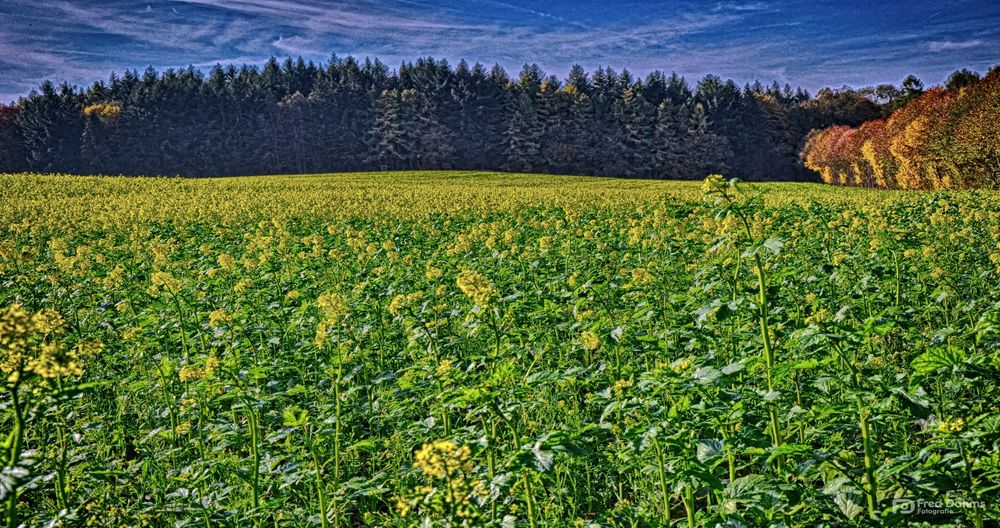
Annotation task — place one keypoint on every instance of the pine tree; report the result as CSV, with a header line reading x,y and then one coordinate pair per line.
x,y
51,125
392,138
638,126
13,157
522,140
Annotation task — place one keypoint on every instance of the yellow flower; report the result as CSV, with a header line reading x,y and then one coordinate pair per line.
x,y
641,276
443,458
226,261
211,366
432,272
951,426
476,287
545,243
24,349
46,321
131,333
163,279
681,365
714,183
397,304
115,277
243,285
621,385
190,373
443,368
332,306
217,318
590,340
321,335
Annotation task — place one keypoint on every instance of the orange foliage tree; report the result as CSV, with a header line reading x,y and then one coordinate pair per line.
x,y
944,139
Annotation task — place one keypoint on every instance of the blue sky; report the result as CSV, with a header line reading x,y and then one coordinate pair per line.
x,y
806,43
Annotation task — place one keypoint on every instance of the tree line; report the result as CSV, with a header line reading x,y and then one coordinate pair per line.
x,y
947,138
351,115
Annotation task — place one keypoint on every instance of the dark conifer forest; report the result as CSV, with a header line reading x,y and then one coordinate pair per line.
x,y
349,115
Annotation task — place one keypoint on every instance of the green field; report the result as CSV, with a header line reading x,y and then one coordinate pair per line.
x,y
483,349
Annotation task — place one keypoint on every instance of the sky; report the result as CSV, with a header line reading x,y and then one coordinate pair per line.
x,y
809,44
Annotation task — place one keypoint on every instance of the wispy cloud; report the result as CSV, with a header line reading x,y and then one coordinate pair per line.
x,y
798,41
949,45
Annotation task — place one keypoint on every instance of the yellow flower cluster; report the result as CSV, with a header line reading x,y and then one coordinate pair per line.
x,y
55,361
193,372
443,369
243,285
681,365
641,277
951,426
443,458
218,318
401,301
163,279
226,261
590,340
333,307
476,287
714,183
25,347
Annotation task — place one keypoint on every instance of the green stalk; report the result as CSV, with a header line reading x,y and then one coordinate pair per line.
x,y
325,523
183,332
491,463
663,482
528,499
689,504
869,459
871,492
61,500
978,515
336,440
765,334
15,440
255,454
895,262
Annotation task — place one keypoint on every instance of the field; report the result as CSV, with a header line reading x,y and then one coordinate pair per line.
x,y
469,349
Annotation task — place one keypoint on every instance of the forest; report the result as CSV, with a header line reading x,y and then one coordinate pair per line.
x,y
351,115
948,138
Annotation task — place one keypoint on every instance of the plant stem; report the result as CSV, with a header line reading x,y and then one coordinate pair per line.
x,y
663,482
528,499
15,441
255,454
869,459
689,504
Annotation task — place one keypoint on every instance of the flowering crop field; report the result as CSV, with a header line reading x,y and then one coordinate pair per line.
x,y
470,349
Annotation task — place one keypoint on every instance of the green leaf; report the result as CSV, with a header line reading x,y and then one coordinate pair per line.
x,y
773,245
849,503
709,449
937,359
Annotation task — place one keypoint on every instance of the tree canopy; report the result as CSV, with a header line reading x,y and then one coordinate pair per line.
x,y
347,115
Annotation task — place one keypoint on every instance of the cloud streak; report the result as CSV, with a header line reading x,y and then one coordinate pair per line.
x,y
806,43
949,45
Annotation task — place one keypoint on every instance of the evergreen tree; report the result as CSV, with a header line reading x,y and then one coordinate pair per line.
x,y
13,157
522,140
51,125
